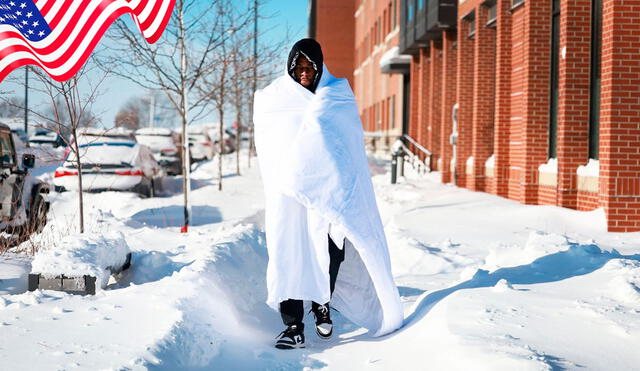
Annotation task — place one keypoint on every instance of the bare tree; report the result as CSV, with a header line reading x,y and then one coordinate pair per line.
x,y
68,110
175,65
132,114
12,107
224,85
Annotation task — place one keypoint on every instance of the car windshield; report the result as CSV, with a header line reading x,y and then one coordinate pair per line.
x,y
105,154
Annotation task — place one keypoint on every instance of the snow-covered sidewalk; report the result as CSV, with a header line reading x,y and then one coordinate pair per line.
x,y
487,284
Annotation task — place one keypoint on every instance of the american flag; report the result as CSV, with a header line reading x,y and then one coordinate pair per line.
x,y
59,35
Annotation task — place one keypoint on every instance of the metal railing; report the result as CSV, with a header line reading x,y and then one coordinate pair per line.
x,y
400,151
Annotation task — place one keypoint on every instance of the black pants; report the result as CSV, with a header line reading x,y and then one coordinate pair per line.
x,y
292,310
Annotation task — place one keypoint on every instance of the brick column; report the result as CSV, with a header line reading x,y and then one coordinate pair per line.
x,y
502,120
573,102
435,101
483,97
448,100
425,97
465,101
620,115
537,57
414,99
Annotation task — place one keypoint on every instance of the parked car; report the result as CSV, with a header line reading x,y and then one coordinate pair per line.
x,y
94,135
228,137
117,166
165,146
201,146
43,138
23,198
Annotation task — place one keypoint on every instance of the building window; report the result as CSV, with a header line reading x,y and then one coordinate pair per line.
x,y
410,11
471,22
555,74
420,4
515,3
594,101
492,13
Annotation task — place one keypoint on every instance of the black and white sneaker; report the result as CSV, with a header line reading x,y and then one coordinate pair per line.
x,y
291,338
324,326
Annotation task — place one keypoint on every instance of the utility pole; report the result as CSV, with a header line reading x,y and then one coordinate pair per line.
x,y
26,103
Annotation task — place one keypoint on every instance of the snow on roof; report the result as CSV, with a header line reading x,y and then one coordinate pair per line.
x,y
107,153
154,131
83,254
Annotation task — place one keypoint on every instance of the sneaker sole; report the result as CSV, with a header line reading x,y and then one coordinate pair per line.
x,y
324,337
288,346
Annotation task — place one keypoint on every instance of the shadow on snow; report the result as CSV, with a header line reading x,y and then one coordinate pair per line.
x,y
578,260
173,216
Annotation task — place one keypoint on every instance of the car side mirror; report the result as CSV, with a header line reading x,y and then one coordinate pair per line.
x,y
28,161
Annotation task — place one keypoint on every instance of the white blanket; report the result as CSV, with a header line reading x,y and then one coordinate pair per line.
x,y
315,172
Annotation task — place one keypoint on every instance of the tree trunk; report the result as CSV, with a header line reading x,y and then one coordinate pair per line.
x,y
76,148
221,142
186,160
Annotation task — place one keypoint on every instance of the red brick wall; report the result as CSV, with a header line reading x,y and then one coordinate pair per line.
x,y
516,77
587,201
620,115
483,97
465,101
435,102
337,42
448,89
537,46
375,34
573,105
504,46
415,106
424,92
516,133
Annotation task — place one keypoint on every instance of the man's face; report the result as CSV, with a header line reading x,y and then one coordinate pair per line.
x,y
304,72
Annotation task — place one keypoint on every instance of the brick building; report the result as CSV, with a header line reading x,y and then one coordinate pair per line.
x,y
541,97
360,40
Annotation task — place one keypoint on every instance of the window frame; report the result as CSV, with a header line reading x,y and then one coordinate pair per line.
x,y
595,87
554,83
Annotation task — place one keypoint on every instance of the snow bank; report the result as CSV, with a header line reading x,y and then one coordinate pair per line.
x,y
550,166
83,254
592,168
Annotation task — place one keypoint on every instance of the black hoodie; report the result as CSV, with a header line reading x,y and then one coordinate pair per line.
x,y
310,49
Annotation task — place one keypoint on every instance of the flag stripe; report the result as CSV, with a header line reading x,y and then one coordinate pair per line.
x,y
77,27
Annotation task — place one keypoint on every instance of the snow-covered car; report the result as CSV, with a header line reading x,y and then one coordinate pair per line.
x,y
43,138
94,135
118,166
201,146
23,198
165,146
228,137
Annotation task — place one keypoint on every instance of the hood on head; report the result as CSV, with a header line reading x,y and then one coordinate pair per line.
x,y
310,49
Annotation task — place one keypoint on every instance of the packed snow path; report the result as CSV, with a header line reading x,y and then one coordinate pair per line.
x,y
487,283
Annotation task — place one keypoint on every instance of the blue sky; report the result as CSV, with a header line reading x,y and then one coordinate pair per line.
x,y
286,19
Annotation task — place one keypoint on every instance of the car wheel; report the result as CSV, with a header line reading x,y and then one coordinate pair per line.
x,y
38,217
152,188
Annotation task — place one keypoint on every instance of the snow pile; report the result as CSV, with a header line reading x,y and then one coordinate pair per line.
x,y
486,283
592,169
83,254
